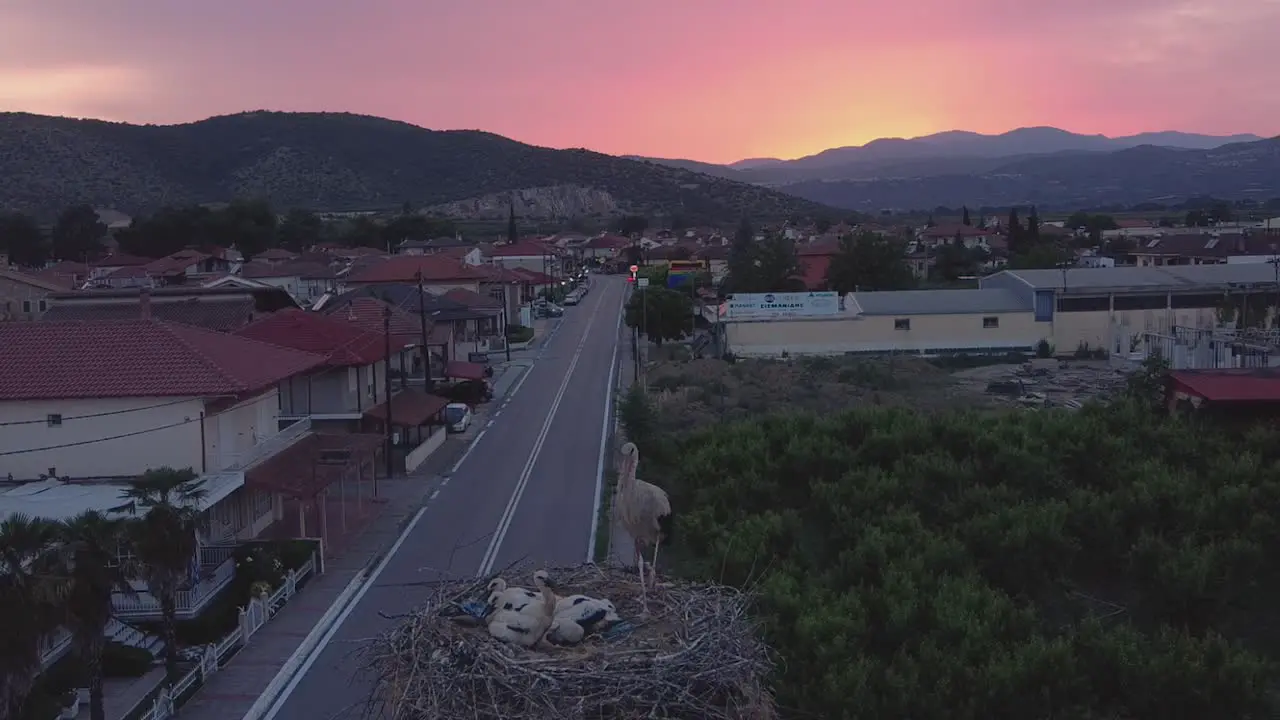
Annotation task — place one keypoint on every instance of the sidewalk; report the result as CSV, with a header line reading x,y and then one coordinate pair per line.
x,y
231,691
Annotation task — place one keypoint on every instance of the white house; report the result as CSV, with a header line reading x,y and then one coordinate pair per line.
x,y
87,406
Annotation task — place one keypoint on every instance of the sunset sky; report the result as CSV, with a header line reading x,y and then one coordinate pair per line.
x,y
714,80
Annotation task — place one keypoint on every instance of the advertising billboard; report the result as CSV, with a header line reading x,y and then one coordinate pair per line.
x,y
764,306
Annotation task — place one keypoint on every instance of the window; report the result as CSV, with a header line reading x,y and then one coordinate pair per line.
x,y
26,306
353,379
1084,304
991,322
44,305
1141,302
902,324
54,420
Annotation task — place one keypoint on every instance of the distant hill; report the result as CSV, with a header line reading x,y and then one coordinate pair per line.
x,y
948,152
338,161
1071,180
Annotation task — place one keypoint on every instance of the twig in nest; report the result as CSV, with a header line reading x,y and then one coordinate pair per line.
x,y
697,655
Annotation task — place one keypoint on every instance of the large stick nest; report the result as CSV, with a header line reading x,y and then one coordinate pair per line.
x,y
694,654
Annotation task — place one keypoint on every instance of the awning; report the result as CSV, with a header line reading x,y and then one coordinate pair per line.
x,y
461,370
409,408
313,463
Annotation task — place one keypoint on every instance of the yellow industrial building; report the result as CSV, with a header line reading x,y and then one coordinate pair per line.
x,y
1012,310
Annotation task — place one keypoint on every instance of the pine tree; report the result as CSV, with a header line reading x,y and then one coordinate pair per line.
x,y
1033,226
966,219
1015,232
511,225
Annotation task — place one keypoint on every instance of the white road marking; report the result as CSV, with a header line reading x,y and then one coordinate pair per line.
x,y
504,523
434,493
337,624
604,435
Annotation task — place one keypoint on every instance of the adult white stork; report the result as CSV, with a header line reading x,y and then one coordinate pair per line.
x,y
644,511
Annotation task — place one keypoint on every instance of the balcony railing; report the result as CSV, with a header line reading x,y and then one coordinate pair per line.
x,y
269,447
53,647
191,601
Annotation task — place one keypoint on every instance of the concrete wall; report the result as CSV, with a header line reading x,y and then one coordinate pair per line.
x,y
128,436
419,455
882,333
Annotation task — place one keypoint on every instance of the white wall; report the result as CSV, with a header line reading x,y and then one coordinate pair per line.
x,y
139,434
232,431
177,446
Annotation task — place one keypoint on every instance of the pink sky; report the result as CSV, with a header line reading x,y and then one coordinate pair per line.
x,y
714,80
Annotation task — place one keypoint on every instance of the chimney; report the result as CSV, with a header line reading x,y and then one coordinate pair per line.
x,y
144,303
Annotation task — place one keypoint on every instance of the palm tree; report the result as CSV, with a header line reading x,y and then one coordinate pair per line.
x,y
90,542
163,537
31,597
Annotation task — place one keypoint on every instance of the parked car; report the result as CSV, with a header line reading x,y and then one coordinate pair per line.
x,y
547,310
457,417
572,298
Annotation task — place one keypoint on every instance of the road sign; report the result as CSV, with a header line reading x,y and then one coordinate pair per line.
x,y
635,269
642,282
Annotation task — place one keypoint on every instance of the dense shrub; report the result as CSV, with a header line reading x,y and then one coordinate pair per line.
x,y
519,333
1106,563
125,661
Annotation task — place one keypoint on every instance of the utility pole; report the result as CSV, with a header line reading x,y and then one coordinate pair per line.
x,y
506,338
386,379
426,352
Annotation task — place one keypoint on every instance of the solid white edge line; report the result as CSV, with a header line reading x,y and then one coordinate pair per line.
x,y
302,671
604,434
504,523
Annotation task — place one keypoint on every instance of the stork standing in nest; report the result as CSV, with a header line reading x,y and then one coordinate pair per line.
x,y
644,511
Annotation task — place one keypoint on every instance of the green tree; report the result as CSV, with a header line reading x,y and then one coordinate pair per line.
x,y
512,233
32,598
164,502
954,260
1015,233
249,225
631,225
22,240
768,265
966,220
299,230
661,314
1043,255
361,232
1033,227
90,542
867,261
78,234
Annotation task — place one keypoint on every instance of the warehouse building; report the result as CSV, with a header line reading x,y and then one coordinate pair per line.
x,y
929,322
1112,308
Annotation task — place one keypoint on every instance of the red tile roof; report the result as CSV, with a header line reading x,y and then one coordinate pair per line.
x,y
409,408
137,358
299,269
814,269
406,328
119,259
342,343
472,299
460,370
608,242
42,283
275,254
526,248
405,269
177,263
533,277
499,274
1249,385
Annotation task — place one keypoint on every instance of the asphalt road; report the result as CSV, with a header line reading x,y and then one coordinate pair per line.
x,y
525,489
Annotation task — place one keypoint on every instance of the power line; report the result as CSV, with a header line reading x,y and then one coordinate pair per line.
x,y
105,439
45,420
201,418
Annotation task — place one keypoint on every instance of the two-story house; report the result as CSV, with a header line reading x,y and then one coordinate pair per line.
x,y
224,309
526,254
88,406
188,265
306,281
349,381
603,248
437,273
460,330
25,297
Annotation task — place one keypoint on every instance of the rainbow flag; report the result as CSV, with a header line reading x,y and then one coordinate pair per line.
x,y
679,278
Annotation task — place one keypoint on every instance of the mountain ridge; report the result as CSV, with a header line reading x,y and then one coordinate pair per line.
x,y
342,161
927,155
1072,180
